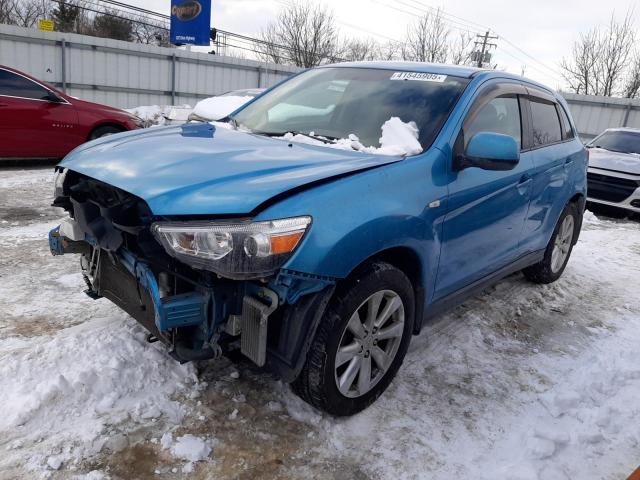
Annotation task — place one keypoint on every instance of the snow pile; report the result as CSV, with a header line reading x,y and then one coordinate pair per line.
x,y
77,387
156,115
398,138
523,382
215,108
150,114
191,448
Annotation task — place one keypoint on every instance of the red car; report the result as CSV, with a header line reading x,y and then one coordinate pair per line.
x,y
39,121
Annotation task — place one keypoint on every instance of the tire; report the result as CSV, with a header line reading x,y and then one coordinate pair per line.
x,y
105,131
318,383
550,268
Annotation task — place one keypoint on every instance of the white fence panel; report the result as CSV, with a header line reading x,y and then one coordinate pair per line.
x,y
594,114
124,74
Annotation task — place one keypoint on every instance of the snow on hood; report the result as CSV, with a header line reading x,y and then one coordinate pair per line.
x,y
398,138
215,108
186,169
618,161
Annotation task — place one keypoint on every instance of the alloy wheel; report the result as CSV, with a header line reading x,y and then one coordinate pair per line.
x,y
369,343
562,244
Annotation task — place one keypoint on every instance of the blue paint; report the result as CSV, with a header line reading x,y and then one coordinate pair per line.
x,y
190,22
459,225
55,243
170,312
494,146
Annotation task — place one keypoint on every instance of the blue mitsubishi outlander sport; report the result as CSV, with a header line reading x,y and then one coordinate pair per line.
x,y
301,231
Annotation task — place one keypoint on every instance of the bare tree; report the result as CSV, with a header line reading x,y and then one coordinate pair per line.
x,y
27,12
268,49
427,39
581,70
7,14
307,33
632,83
461,48
361,49
599,59
150,33
391,50
617,46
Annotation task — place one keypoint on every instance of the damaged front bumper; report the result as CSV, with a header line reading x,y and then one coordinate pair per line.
x,y
271,322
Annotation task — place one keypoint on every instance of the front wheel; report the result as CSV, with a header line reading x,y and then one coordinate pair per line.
x,y
105,131
558,251
360,342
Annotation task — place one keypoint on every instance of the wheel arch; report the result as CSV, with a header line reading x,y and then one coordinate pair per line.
x,y
117,125
409,262
580,200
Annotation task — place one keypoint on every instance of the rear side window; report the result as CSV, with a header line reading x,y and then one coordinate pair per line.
x,y
546,123
567,131
16,86
500,115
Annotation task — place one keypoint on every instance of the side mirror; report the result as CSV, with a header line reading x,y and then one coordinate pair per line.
x,y
53,97
489,151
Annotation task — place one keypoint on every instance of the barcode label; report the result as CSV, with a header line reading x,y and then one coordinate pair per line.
x,y
419,76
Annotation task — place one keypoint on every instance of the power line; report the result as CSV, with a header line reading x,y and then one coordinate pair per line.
x,y
416,15
482,56
424,5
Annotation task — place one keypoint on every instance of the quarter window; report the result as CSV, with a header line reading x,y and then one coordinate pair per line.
x,y
546,123
16,86
500,115
566,124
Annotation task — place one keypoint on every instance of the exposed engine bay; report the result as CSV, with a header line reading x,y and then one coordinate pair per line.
x,y
198,313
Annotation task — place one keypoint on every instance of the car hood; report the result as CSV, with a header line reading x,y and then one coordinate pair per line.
x,y
200,169
86,105
620,162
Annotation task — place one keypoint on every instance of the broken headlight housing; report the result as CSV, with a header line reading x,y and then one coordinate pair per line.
x,y
58,182
238,250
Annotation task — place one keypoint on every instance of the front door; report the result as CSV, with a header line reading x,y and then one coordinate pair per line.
x,y
486,209
31,126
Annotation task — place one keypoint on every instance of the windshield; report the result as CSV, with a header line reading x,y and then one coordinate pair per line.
x,y
336,102
618,141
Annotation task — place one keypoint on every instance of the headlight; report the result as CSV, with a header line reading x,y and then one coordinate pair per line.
x,y
58,182
233,249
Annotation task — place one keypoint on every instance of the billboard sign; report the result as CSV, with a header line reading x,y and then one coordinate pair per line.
x,y
190,22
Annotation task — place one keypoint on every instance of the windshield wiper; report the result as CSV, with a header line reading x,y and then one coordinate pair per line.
x,y
322,138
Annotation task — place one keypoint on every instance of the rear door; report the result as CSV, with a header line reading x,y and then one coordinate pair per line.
x,y
553,151
486,209
31,126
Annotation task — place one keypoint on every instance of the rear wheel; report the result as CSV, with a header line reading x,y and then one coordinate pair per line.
x,y
558,251
105,131
360,343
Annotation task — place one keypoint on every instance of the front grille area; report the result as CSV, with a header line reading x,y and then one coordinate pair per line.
x,y
610,189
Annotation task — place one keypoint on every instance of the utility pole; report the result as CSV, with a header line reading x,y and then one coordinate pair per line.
x,y
482,55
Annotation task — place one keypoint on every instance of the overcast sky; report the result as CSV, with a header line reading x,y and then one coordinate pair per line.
x,y
543,29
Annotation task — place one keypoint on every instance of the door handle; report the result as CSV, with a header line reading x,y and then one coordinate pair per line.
x,y
4,104
523,184
524,179
568,162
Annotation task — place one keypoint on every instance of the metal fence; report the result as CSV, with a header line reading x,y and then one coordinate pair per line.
x,y
594,114
124,74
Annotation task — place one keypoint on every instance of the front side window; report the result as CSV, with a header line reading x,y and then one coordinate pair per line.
x,y
335,102
500,115
546,123
623,141
17,86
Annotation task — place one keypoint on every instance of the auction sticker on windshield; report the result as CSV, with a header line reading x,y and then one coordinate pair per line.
x,y
419,76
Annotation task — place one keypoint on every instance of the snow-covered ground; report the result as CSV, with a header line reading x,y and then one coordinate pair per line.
x,y
521,382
